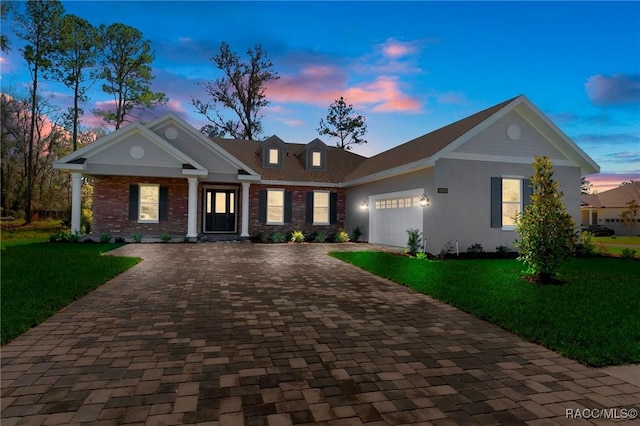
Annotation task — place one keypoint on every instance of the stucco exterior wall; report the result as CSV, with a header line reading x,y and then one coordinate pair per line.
x,y
111,207
358,216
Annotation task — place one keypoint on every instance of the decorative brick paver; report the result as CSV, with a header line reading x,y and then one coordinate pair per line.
x,y
241,334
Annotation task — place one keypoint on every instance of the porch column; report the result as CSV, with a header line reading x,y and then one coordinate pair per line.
x,y
245,210
192,211
76,201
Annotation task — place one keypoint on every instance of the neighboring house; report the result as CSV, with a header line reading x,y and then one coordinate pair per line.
x,y
606,207
462,183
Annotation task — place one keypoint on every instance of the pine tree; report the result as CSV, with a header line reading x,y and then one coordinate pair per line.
x,y
547,231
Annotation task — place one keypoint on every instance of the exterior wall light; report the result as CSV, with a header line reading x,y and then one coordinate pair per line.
x,y
364,205
424,201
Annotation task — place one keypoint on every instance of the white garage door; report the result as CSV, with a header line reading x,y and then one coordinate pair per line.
x,y
390,215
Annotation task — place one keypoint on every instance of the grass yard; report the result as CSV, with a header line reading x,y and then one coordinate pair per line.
x,y
594,317
40,279
615,245
16,233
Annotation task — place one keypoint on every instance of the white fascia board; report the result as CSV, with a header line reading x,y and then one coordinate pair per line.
x,y
415,166
296,183
500,158
194,172
203,139
72,167
248,178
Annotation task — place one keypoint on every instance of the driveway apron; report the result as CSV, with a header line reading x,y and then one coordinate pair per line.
x,y
235,334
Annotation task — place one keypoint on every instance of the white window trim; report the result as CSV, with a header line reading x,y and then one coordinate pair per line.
x,y
521,179
140,186
283,206
328,207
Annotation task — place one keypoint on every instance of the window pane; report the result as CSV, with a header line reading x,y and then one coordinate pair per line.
x,y
320,207
275,198
221,202
208,202
149,198
273,156
232,202
275,214
316,159
275,206
511,190
509,212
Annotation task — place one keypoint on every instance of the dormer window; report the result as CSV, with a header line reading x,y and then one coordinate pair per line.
x,y
274,156
314,155
272,152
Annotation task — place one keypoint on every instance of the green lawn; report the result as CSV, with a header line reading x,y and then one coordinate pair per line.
x,y
15,232
40,279
594,317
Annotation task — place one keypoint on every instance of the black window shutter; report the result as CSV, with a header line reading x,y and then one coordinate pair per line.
x,y
133,202
333,207
527,192
287,206
309,207
262,206
164,203
496,202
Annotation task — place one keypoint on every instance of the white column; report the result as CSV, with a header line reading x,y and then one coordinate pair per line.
x,y
76,201
245,210
192,211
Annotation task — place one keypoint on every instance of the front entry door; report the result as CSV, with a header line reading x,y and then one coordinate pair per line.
x,y
220,210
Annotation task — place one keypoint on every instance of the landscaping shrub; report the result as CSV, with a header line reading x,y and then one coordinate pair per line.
x,y
105,238
475,250
165,238
341,236
297,237
586,246
277,237
628,253
356,234
319,237
137,238
63,237
414,241
546,230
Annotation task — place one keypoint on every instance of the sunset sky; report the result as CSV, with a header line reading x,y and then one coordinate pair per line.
x,y
409,67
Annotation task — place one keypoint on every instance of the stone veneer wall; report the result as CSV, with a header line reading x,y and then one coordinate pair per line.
x,y
298,214
111,207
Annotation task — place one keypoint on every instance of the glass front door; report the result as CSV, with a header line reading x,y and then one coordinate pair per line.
x,y
220,210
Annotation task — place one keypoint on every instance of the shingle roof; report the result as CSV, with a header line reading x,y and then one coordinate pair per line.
x,y
616,197
424,146
339,162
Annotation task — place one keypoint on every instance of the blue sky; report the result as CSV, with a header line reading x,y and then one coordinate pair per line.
x,y
409,67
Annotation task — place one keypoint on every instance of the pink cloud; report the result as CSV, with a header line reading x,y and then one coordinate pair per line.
x,y
394,49
323,85
604,181
618,89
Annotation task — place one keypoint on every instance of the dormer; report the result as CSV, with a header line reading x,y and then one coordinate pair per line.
x,y
314,155
272,152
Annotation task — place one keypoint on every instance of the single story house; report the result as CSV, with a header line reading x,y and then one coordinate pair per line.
x,y
461,183
606,208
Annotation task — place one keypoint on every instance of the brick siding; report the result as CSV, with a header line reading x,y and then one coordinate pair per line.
x,y
111,207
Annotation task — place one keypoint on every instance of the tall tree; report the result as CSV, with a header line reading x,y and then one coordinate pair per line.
x,y
5,9
547,232
585,185
126,67
344,124
628,216
40,29
241,89
74,65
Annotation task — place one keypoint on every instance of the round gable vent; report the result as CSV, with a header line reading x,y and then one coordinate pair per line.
x,y
136,152
171,133
514,132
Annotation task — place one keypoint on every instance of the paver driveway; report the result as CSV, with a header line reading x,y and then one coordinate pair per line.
x,y
279,335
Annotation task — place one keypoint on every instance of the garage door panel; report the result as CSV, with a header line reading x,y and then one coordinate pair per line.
x,y
392,216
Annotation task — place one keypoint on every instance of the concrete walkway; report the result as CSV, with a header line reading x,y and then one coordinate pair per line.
x,y
234,334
